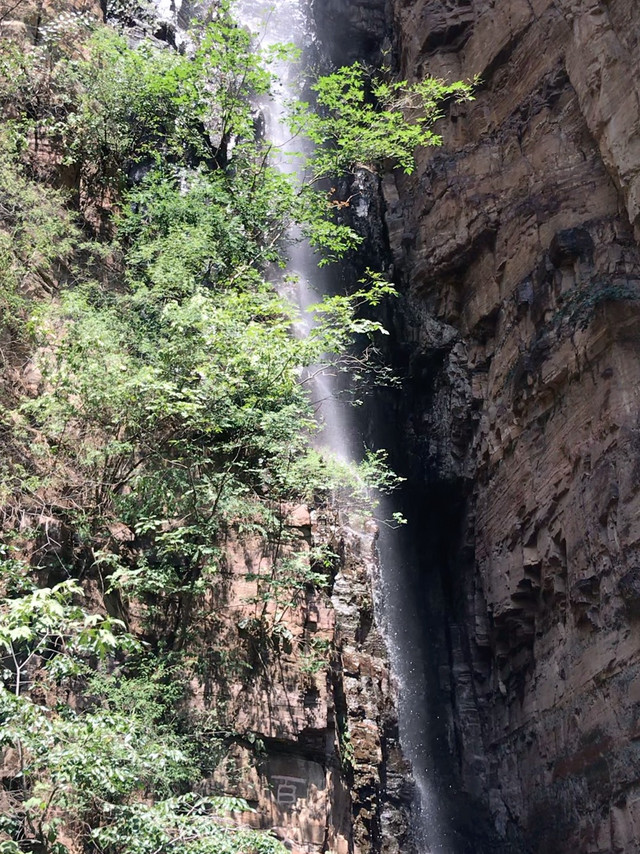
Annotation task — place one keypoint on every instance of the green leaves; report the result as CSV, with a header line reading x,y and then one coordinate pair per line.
x,y
186,383
101,767
168,400
45,628
104,107
83,765
188,824
364,119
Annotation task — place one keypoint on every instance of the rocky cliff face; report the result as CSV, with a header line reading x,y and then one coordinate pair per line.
x,y
517,247
329,774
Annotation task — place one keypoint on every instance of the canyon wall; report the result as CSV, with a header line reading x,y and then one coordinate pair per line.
x,y
516,248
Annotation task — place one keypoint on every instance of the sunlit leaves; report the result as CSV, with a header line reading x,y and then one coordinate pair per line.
x,y
46,628
189,824
171,395
363,119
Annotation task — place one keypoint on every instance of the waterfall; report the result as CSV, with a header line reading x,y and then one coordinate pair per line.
x,y
398,611
289,22
396,608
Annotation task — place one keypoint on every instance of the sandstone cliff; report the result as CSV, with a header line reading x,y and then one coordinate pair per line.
x,y
329,774
516,244
516,248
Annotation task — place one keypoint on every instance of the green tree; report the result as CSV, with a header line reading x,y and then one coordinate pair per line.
x,y
80,771
363,118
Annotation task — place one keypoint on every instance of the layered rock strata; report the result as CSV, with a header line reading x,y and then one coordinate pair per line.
x,y
519,338
307,690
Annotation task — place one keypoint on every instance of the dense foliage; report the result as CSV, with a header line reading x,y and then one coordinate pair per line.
x,y
165,397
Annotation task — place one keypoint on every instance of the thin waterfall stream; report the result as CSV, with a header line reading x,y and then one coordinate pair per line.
x,y
396,607
290,23
399,615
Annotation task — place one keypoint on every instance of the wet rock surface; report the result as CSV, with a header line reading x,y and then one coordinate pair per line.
x,y
519,340
352,31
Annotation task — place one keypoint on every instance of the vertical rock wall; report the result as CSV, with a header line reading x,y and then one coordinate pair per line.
x,y
309,704
519,338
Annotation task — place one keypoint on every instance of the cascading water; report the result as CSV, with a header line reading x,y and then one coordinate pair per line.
x,y
289,22
399,614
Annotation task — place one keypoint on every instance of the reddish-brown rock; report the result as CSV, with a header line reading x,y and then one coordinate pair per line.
x,y
517,242
317,697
